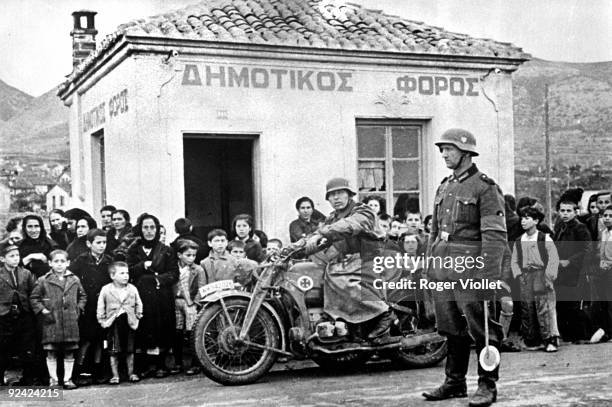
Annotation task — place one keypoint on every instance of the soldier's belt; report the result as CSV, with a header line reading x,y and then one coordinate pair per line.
x,y
447,237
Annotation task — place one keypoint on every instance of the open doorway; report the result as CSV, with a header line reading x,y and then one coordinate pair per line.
x,y
218,179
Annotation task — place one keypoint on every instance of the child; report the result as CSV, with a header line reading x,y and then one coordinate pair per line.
x,y
274,247
59,297
535,260
397,228
119,310
236,249
191,278
91,268
16,319
572,239
384,223
221,265
602,281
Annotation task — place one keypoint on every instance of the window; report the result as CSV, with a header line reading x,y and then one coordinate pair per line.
x,y
62,202
53,205
389,164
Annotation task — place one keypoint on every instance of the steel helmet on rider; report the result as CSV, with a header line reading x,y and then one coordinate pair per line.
x,y
336,184
462,139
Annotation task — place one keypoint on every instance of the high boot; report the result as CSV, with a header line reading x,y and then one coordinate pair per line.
x,y
382,327
456,368
486,394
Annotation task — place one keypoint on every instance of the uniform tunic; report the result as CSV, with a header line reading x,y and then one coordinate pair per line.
x,y
468,221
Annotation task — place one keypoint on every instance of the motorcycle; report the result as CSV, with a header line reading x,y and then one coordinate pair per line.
x,y
238,335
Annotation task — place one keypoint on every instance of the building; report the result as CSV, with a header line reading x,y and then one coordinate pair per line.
x,y
227,106
58,197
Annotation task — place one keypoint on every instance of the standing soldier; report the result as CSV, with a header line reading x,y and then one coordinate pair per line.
x,y
468,222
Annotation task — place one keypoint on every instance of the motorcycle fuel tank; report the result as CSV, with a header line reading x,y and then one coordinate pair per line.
x,y
308,278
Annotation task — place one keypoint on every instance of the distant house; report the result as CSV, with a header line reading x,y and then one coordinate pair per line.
x,y
5,198
65,177
58,197
21,186
57,170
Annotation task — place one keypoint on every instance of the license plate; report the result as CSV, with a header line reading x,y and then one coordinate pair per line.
x,y
216,286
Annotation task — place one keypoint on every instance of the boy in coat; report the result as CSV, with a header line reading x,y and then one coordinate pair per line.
x,y
91,268
59,297
17,329
221,265
119,310
573,242
191,278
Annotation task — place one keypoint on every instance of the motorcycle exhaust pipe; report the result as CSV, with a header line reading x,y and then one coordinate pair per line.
x,y
404,343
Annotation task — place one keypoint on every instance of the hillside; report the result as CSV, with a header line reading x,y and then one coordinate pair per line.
x,y
12,100
40,130
580,122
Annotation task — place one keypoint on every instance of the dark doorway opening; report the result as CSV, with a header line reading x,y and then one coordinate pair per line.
x,y
218,180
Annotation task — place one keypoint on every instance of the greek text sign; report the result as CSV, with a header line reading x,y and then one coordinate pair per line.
x,y
96,117
266,78
437,85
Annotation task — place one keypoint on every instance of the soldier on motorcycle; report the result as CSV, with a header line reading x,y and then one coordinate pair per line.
x,y
349,293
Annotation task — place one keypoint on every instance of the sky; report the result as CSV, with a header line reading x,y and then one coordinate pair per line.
x,y
36,48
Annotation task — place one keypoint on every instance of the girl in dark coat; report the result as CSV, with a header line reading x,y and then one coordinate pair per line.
x,y
59,229
36,246
242,228
154,271
118,232
79,245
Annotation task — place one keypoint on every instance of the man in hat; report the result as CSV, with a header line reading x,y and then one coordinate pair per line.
x,y
468,226
348,289
17,329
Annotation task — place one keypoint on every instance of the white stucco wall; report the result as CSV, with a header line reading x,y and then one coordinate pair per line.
x,y
305,136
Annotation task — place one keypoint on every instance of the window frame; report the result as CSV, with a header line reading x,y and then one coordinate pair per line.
x,y
388,160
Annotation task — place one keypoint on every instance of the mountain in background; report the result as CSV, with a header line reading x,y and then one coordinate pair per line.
x,y
580,100
580,114
38,132
12,100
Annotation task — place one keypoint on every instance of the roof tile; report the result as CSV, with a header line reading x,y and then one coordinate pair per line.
x,y
303,23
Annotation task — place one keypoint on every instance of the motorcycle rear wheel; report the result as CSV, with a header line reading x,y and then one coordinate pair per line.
x,y
226,361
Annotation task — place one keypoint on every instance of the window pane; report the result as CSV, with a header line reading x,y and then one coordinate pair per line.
x,y
405,142
371,141
405,175
371,176
404,202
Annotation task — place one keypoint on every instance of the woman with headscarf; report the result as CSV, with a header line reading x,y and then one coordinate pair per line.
x,y
79,245
154,271
36,245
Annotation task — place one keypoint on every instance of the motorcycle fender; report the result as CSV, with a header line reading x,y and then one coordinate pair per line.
x,y
227,294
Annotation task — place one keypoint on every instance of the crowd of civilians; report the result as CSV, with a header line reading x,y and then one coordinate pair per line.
x,y
113,302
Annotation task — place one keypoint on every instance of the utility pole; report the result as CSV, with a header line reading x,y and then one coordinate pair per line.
x,y
547,151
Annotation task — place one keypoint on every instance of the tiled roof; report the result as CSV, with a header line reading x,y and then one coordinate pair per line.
x,y
324,24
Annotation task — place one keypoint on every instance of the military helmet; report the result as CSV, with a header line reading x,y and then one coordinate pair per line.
x,y
336,184
462,139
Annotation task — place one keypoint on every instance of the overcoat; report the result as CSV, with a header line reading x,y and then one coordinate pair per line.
x,y
93,275
155,286
65,299
8,289
348,287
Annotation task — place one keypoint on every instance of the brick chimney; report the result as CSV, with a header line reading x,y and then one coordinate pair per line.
x,y
83,36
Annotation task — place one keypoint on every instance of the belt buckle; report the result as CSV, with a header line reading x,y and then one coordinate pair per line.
x,y
444,236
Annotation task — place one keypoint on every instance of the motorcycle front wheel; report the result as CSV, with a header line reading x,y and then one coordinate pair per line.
x,y
223,358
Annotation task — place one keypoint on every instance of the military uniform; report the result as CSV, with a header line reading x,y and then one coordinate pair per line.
x,y
468,221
